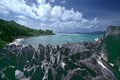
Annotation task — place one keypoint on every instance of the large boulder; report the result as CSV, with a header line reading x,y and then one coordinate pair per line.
x,y
40,52
74,48
37,74
10,72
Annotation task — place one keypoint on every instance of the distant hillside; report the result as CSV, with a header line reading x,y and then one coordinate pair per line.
x,y
9,30
94,32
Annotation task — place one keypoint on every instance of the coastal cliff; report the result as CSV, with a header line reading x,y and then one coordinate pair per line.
x,y
71,61
110,48
113,30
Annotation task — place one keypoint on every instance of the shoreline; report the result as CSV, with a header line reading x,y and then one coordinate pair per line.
x,y
17,41
67,52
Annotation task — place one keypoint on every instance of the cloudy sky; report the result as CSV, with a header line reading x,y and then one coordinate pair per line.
x,y
62,15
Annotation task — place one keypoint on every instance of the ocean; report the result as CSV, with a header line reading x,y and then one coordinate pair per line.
x,y
57,39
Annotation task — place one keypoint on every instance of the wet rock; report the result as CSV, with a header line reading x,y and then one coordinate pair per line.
x,y
20,75
73,61
51,74
86,54
40,52
75,48
37,74
4,61
10,72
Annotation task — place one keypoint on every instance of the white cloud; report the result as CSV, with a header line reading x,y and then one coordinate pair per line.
x,y
71,15
18,7
22,22
41,1
3,10
21,17
57,12
63,2
94,21
51,0
44,13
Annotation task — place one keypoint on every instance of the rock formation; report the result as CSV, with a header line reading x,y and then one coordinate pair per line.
x,y
72,61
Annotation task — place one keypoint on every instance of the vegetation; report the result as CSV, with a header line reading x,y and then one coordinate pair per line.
x,y
112,43
9,30
113,47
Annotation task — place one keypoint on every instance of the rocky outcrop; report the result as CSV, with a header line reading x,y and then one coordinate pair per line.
x,y
112,30
109,48
75,61
72,61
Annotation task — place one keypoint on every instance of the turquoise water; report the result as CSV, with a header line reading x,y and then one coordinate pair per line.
x,y
59,39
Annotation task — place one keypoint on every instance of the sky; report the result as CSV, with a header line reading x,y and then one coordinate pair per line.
x,y
62,15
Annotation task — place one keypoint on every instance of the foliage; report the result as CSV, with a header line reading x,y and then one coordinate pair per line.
x,y
113,47
112,43
9,30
